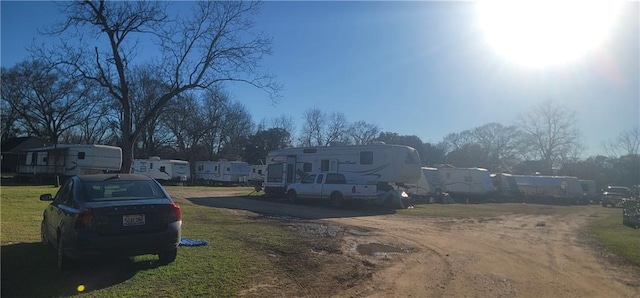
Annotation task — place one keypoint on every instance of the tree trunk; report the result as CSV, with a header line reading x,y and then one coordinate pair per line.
x,y
127,156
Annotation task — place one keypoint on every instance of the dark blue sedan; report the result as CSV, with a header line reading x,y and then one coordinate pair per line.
x,y
111,215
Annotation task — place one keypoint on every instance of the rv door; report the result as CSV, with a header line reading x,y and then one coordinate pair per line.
x,y
291,169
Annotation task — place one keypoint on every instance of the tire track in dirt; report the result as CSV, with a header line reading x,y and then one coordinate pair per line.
x,y
505,257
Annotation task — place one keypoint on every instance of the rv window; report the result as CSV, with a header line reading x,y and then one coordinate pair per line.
x,y
228,169
215,168
324,165
312,150
259,172
274,173
162,169
81,155
200,167
150,165
307,167
366,157
319,180
44,160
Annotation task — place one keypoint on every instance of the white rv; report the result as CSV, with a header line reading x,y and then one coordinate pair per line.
x,y
360,164
550,189
419,190
68,160
222,172
589,190
256,174
467,183
163,170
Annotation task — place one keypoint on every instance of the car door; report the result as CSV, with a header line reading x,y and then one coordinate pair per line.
x,y
61,211
305,187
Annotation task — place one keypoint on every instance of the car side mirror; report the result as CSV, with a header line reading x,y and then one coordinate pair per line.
x,y
46,197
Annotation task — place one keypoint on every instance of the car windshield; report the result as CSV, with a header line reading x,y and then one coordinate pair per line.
x,y
114,190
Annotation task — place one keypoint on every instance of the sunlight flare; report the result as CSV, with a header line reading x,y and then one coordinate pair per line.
x,y
543,33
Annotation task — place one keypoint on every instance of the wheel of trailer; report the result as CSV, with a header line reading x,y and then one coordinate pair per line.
x,y
292,196
336,200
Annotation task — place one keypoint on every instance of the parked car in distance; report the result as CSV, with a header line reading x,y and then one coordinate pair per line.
x,y
111,215
615,196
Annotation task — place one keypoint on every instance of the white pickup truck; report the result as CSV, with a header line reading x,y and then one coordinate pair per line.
x,y
332,187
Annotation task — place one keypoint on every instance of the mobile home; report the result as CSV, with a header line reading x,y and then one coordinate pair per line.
x,y
163,170
68,160
222,172
361,164
550,189
472,184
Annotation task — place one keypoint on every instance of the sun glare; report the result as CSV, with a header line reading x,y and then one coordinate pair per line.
x,y
545,32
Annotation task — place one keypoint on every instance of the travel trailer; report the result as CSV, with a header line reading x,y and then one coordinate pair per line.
x,y
589,190
467,184
507,188
163,170
222,172
550,189
68,160
375,163
256,174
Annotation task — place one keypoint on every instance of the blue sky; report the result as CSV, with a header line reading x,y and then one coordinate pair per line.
x,y
415,68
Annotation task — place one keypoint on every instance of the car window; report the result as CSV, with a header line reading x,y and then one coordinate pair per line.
x,y
113,190
63,194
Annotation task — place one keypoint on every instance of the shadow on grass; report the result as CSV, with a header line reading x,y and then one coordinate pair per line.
x,y
29,270
304,210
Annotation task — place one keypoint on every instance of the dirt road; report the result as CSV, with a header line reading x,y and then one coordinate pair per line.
x,y
506,256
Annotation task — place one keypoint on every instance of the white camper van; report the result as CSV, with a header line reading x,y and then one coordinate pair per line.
x,y
473,184
163,170
360,164
256,174
222,172
68,160
550,189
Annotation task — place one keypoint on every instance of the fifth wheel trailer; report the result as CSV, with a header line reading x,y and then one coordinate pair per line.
x,y
163,170
68,160
563,190
468,184
222,172
375,163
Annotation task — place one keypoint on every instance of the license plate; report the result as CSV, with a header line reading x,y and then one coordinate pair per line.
x,y
133,220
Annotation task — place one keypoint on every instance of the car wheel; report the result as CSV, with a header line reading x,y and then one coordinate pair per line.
x,y
43,234
168,256
336,200
63,261
292,196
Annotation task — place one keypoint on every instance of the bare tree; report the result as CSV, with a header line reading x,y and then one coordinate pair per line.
x,y
500,144
312,133
48,101
627,143
362,132
337,128
551,133
215,43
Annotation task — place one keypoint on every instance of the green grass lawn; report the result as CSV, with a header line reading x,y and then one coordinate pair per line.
x,y
621,240
239,249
